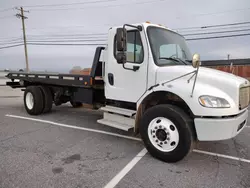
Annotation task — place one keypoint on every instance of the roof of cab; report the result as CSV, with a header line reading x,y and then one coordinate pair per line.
x,y
147,23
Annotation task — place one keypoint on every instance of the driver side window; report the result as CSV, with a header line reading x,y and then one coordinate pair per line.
x,y
135,53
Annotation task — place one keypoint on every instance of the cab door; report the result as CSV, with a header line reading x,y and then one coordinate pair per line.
x,y
127,82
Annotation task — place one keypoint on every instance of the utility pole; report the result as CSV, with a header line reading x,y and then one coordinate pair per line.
x,y
21,15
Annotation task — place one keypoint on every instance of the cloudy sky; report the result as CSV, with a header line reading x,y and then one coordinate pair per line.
x,y
85,17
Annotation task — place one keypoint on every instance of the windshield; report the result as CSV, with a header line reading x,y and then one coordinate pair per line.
x,y
166,45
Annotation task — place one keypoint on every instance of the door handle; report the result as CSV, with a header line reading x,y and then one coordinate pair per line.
x,y
135,67
111,78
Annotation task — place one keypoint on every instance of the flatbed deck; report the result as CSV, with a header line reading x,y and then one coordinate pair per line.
x,y
93,80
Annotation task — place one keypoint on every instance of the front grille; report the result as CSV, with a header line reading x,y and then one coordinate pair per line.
x,y
244,97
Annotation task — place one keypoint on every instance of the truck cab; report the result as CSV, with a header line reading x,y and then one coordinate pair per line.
x,y
146,55
149,69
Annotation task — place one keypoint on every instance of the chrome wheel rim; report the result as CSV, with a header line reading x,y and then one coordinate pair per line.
x,y
163,134
29,101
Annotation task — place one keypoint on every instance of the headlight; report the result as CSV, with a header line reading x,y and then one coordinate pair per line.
x,y
213,102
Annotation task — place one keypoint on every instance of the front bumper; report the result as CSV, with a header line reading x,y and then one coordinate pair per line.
x,y
211,129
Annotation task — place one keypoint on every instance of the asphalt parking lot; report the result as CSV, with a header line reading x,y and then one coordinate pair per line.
x,y
67,148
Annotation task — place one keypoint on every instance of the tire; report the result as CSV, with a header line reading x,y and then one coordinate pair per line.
x,y
48,100
76,104
170,137
33,100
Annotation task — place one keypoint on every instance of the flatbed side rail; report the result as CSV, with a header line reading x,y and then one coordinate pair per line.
x,y
72,80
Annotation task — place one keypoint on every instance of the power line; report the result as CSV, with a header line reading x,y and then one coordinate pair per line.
x,y
189,28
9,38
4,17
7,9
52,44
70,27
102,1
80,8
11,46
98,39
55,41
46,38
70,4
216,37
215,13
11,43
217,32
65,35
13,40
97,44
211,26
96,35
222,25
68,40
215,29
80,36
75,40
58,41
61,42
69,44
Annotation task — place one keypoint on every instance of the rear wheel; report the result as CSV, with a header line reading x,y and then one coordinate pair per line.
x,y
48,100
167,132
33,100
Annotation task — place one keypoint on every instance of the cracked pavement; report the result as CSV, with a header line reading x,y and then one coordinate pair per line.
x,y
35,154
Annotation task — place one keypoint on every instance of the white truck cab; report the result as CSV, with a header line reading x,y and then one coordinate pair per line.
x,y
177,100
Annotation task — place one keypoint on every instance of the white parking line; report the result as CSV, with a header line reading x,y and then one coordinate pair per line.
x,y
122,136
126,169
221,155
74,127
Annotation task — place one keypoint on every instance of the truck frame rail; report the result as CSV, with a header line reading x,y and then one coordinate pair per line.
x,y
71,80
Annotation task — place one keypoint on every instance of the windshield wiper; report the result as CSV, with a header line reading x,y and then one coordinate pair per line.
x,y
174,59
183,61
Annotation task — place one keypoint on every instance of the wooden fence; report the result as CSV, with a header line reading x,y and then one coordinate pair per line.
x,y
239,70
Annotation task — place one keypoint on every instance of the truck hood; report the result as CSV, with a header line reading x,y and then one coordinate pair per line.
x,y
224,81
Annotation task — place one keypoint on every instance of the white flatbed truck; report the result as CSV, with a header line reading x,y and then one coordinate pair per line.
x,y
148,81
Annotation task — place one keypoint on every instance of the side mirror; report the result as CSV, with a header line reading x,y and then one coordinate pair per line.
x,y
196,61
121,57
121,38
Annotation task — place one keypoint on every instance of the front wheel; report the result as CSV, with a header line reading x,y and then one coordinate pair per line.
x,y
167,132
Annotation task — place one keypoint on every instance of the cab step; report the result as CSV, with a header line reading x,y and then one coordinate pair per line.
x,y
114,124
119,118
121,111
